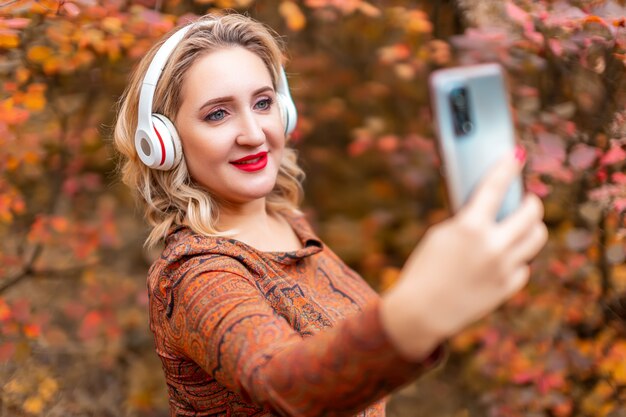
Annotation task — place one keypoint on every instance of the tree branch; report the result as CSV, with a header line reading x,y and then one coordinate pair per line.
x,y
10,2
26,270
29,271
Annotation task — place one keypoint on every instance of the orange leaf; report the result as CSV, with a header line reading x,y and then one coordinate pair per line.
x,y
59,224
11,114
39,53
9,40
35,102
594,19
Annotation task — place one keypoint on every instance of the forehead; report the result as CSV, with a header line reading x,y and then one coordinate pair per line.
x,y
225,71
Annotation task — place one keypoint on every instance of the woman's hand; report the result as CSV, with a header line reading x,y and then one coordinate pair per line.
x,y
464,267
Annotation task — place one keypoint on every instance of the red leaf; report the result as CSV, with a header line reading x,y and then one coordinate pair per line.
x,y
21,310
556,46
5,311
619,178
536,186
516,13
90,326
558,268
71,9
32,331
388,143
15,23
582,156
620,205
552,145
578,239
614,155
74,309
6,351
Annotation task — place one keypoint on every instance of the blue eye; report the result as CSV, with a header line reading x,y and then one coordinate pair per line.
x,y
216,116
264,104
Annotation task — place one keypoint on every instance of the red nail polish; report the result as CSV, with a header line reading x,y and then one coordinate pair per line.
x,y
520,154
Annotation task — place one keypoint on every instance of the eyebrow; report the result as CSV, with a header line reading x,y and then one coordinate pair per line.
x,y
226,99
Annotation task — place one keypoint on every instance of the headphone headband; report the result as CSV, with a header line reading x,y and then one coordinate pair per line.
x,y
150,80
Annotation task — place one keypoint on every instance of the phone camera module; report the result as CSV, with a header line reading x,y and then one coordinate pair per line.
x,y
459,104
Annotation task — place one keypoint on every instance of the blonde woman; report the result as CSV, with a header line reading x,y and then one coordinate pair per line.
x,y
252,314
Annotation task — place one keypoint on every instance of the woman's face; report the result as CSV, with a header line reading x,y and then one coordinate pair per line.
x,y
229,125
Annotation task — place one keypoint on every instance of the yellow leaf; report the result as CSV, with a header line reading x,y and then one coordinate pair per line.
x,y
39,53
369,10
419,23
618,372
388,277
22,75
112,24
231,4
15,387
52,65
127,39
33,405
293,16
48,388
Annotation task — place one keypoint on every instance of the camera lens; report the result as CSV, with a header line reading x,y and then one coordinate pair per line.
x,y
466,127
459,105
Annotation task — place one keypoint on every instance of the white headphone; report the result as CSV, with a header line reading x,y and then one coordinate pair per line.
x,y
156,140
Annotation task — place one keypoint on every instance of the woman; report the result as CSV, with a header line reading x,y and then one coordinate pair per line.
x,y
252,314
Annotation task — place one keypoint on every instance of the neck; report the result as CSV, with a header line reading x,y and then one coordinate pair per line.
x,y
254,226
241,217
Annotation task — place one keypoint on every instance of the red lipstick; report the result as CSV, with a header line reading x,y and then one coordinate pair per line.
x,y
251,163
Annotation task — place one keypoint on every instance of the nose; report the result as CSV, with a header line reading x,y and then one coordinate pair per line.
x,y
251,133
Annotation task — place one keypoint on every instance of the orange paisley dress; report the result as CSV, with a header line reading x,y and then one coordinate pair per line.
x,y
242,332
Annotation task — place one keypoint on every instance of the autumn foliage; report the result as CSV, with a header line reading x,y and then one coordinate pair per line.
x,y
73,325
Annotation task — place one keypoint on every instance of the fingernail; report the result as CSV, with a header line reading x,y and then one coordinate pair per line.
x,y
520,154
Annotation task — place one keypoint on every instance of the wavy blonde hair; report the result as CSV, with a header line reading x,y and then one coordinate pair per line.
x,y
172,197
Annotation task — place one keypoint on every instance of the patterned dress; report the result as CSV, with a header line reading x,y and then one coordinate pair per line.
x,y
242,332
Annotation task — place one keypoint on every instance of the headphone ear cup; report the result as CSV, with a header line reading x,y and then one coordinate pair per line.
x,y
169,141
288,111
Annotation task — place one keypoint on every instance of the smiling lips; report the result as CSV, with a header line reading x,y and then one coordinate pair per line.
x,y
251,163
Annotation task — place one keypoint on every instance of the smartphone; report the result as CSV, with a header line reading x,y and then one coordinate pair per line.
x,y
474,129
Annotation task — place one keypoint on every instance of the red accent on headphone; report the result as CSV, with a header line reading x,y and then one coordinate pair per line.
x,y
162,145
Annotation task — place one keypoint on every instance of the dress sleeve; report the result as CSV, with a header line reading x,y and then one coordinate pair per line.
x,y
223,323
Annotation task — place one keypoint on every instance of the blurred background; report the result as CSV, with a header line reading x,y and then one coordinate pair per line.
x,y
74,339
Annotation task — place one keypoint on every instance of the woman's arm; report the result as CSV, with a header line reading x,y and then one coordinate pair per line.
x,y
224,324
465,267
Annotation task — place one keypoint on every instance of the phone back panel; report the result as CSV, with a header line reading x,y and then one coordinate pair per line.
x,y
469,147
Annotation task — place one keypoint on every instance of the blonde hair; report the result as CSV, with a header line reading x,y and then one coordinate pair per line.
x,y
171,197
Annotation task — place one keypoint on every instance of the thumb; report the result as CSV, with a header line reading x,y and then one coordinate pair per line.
x,y
488,196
